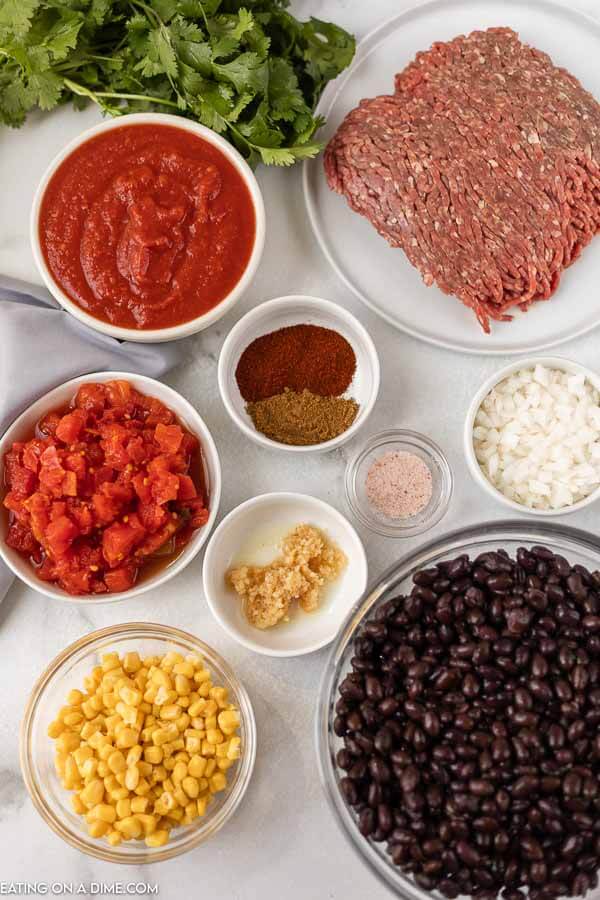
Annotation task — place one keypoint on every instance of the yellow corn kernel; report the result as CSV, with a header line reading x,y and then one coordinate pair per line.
x,y
82,754
167,801
171,659
211,765
92,793
182,722
197,766
148,823
153,755
190,786
130,696
214,736
127,738
201,804
184,668
179,772
134,755
157,838
138,804
219,695
180,796
223,764
110,661
132,662
204,688
130,827
182,685
67,742
119,793
229,721
98,828
161,678
123,808
143,787
170,711
77,804
193,744
191,811
89,768
234,748
102,769
105,751
144,768
210,723
116,761
75,697
201,676
72,777
104,812
114,838
197,708
132,778
111,782
217,782
208,749
88,730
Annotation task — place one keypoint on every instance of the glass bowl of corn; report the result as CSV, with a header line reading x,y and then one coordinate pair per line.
x,y
138,743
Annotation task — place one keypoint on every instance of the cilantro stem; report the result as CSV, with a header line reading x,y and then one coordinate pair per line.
x,y
115,95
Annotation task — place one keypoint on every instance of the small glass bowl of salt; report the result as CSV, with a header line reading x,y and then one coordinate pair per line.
x,y
399,484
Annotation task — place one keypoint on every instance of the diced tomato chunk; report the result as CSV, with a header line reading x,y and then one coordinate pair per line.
x,y
120,579
119,539
20,537
168,437
187,488
69,485
164,487
60,534
91,397
70,426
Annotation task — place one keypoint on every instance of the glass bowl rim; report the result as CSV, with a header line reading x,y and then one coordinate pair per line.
x,y
527,530
432,450
233,797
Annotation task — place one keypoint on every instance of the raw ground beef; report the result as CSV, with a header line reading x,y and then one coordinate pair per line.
x,y
484,167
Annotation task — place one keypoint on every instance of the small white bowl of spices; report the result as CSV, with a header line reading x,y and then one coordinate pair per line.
x,y
299,374
399,484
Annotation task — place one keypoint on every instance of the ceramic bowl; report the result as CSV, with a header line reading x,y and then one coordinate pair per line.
x,y
550,362
251,534
185,328
296,310
22,429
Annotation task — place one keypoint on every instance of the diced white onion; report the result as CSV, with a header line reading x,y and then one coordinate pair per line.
x,y
537,437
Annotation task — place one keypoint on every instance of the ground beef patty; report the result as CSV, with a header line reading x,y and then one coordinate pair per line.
x,y
484,167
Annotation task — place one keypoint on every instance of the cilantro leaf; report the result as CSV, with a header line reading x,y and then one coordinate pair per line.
x,y
16,15
246,68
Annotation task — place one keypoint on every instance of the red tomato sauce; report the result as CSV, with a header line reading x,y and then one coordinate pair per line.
x,y
147,226
105,489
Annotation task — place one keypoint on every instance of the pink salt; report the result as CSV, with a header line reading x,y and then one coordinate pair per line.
x,y
399,484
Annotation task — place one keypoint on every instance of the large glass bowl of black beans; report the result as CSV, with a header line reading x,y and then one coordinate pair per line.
x,y
458,726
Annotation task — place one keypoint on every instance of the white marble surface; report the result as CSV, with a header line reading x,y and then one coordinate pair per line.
x,y
283,841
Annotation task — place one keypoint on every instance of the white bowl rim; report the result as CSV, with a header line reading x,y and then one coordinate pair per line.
x,y
263,500
197,541
529,362
154,335
291,301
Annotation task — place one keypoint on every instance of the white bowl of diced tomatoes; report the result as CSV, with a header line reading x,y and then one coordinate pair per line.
x,y
110,485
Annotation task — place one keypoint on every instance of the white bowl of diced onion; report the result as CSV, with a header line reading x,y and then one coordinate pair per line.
x,y
532,436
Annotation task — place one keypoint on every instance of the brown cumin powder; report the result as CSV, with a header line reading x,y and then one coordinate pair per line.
x,y
302,418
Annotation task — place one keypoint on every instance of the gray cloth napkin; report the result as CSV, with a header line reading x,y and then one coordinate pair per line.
x,y
41,346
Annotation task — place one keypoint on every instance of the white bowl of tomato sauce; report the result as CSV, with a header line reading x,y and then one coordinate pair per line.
x,y
109,486
148,227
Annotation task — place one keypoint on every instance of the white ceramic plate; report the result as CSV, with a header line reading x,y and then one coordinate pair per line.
x,y
251,534
382,277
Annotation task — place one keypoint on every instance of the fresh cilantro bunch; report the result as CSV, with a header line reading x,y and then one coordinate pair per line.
x,y
249,71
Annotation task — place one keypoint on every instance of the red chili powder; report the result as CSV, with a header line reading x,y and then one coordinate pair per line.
x,y
299,357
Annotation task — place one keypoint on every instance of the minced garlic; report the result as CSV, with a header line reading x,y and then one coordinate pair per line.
x,y
307,562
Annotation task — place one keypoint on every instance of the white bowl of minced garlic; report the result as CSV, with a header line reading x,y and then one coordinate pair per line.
x,y
281,573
